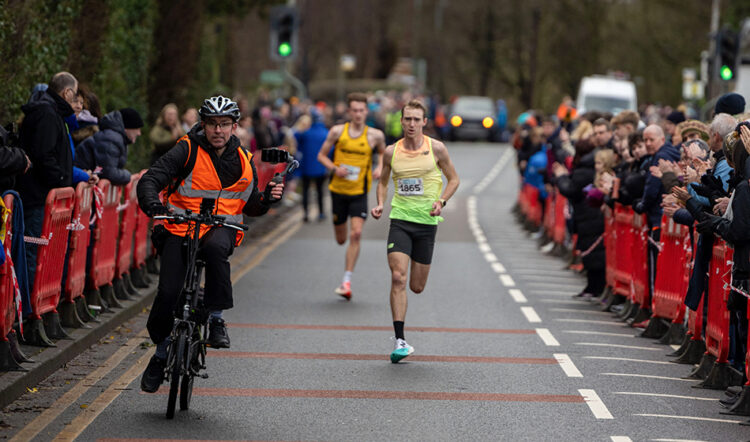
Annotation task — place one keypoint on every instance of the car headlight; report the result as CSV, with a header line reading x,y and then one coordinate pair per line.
x,y
456,121
488,122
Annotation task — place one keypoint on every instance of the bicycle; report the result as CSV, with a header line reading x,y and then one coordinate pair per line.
x,y
186,354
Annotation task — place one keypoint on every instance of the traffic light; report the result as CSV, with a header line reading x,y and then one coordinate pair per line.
x,y
727,48
284,22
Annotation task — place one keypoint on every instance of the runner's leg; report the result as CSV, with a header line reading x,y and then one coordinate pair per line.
x,y
355,237
418,277
399,264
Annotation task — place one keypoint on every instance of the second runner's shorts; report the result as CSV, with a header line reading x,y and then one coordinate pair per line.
x,y
345,206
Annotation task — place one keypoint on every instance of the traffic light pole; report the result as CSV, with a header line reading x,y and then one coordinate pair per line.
x,y
713,63
294,81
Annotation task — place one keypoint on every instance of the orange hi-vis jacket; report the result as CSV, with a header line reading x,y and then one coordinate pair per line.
x,y
203,182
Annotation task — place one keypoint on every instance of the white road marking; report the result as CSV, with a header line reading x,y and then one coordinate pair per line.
x,y
588,321
498,268
580,310
675,347
621,439
675,396
517,296
490,257
632,347
567,365
485,248
530,314
586,332
507,280
693,418
547,337
496,169
595,404
607,358
649,376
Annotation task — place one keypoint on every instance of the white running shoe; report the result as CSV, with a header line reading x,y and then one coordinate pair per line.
x,y
401,350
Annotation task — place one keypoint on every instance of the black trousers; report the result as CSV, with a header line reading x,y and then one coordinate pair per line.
x,y
215,248
653,255
306,181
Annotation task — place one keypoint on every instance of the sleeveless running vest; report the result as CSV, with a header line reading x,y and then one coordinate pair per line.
x,y
203,182
418,182
354,154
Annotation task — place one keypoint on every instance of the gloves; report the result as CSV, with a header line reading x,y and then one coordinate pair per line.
x,y
157,209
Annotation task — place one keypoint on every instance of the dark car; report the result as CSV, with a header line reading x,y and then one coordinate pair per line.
x,y
472,118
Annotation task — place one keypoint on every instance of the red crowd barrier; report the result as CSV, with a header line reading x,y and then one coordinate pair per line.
x,y
610,244
78,243
50,257
695,322
104,241
129,210
559,228
639,259
673,275
140,249
717,324
549,214
7,290
624,240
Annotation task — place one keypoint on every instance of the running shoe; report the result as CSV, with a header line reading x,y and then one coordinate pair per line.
x,y
401,351
345,290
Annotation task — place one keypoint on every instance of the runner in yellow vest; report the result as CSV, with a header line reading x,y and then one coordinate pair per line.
x,y
352,173
418,163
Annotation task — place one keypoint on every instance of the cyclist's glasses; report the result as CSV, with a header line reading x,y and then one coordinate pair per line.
x,y
214,126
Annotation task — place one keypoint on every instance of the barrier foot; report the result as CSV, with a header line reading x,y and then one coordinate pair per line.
x,y
703,369
118,287
693,353
108,296
15,348
94,298
613,299
626,309
742,406
721,376
53,327
605,296
686,338
656,328
152,265
83,311
69,315
640,315
7,363
674,335
137,277
129,287
36,335
558,251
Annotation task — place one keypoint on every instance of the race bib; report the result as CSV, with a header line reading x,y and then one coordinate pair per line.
x,y
410,186
352,172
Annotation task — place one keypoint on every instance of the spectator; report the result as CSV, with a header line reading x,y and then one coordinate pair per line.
x,y
603,134
166,131
106,151
13,161
670,124
87,113
694,129
731,103
189,119
312,171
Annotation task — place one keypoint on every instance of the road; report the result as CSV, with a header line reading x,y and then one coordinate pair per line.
x,y
502,351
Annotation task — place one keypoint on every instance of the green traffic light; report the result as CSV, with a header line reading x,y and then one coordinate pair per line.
x,y
285,49
726,73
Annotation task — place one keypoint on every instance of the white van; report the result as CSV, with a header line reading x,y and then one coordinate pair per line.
x,y
606,94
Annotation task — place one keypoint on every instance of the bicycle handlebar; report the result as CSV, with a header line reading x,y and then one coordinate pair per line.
x,y
207,220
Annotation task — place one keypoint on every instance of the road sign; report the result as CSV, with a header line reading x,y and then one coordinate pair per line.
x,y
272,77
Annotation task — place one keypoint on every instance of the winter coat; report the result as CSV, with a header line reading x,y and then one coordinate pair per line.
x,y
12,163
589,221
309,143
45,140
650,204
106,149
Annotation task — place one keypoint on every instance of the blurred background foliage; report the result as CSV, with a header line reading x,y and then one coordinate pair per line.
x,y
146,53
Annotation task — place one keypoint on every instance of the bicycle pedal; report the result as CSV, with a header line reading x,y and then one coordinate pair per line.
x,y
204,376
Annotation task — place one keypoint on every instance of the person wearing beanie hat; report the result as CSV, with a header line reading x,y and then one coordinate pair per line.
x,y
692,129
731,103
131,119
672,120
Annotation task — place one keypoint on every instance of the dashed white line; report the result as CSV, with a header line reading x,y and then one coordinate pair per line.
x,y
649,376
621,439
530,314
498,268
490,257
675,396
567,365
517,296
485,248
607,358
547,337
507,280
693,418
595,404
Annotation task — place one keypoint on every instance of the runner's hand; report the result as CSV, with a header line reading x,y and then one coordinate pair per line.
x,y
340,172
437,207
377,212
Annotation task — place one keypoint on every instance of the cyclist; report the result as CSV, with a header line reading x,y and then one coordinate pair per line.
x,y
418,163
353,172
208,162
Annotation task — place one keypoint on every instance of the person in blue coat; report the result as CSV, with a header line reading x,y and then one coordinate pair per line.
x,y
309,143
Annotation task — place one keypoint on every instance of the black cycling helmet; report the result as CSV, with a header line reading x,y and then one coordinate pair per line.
x,y
219,106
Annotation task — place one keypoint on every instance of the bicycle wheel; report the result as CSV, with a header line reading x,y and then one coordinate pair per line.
x,y
186,385
175,370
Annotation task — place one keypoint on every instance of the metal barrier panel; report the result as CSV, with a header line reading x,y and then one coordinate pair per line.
x,y
129,210
104,238
640,261
140,249
558,232
610,246
51,257
7,291
78,243
624,234
674,271
717,324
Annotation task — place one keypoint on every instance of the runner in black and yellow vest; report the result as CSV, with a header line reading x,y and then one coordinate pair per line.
x,y
352,173
418,163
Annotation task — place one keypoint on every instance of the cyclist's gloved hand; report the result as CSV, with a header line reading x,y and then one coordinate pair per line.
x,y
157,209
268,198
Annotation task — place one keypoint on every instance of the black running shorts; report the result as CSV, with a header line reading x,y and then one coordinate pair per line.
x,y
345,206
413,239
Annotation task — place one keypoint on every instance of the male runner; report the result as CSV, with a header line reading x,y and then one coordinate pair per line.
x,y
418,163
354,144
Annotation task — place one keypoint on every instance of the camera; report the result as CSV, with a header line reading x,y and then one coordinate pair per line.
x,y
274,155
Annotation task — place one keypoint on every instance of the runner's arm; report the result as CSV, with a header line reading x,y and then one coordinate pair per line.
x,y
446,165
378,142
382,190
325,149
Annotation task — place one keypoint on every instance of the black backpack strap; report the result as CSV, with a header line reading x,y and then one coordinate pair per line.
x,y
186,168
